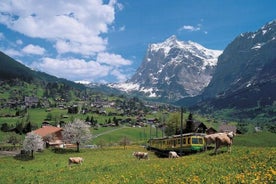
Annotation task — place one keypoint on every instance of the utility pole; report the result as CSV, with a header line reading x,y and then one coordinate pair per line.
x,y
181,131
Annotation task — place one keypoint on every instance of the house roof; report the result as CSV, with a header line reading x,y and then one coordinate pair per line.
x,y
211,129
227,128
46,130
197,124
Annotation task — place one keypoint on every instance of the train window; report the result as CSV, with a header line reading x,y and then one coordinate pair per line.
x,y
189,140
200,141
194,140
178,141
184,141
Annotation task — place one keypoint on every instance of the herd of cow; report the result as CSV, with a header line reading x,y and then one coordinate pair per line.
x,y
219,139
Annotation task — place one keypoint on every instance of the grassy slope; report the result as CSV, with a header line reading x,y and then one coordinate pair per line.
x,y
115,135
116,165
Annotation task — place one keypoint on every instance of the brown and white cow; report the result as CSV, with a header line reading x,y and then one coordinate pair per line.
x,y
173,154
211,139
141,155
75,160
224,140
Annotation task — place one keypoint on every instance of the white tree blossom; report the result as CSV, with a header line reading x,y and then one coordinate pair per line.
x,y
76,132
33,142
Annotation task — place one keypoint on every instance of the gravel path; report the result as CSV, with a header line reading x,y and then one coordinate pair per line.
x,y
8,153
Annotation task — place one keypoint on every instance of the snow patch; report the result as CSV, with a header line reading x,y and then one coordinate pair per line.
x,y
149,91
127,87
257,46
83,82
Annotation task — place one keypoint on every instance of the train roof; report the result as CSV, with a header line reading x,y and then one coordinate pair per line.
x,y
179,135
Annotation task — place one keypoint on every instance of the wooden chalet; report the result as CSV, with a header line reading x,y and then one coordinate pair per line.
x,y
211,130
228,128
198,127
50,134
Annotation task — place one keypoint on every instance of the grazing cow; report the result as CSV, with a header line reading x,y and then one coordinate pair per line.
x,y
224,140
75,160
211,139
173,154
141,155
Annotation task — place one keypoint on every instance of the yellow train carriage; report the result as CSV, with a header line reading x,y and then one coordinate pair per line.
x,y
191,142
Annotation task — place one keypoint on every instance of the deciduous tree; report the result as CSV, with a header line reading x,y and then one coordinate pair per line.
x,y
76,132
33,142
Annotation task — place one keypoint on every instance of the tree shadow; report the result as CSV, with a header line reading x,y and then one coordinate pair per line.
x,y
63,150
23,157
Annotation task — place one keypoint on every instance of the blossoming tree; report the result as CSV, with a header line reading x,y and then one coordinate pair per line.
x,y
33,142
76,132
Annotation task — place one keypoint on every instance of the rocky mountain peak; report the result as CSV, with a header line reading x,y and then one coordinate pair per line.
x,y
174,69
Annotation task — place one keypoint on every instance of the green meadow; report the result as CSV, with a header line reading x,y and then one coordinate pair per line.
x,y
248,163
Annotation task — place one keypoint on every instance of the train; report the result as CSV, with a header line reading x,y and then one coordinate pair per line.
x,y
191,143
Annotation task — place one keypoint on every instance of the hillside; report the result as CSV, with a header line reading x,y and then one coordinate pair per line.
x,y
18,81
10,69
244,82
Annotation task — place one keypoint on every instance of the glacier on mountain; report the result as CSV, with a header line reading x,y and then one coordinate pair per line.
x,y
173,69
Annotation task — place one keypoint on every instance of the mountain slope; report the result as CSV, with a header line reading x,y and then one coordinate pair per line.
x,y
11,69
244,62
244,82
172,70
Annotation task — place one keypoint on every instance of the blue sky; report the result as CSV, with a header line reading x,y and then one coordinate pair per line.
x,y
105,41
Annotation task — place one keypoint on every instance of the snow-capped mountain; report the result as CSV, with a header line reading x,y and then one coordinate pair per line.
x,y
172,70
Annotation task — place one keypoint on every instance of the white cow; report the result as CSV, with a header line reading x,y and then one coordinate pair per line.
x,y
173,154
141,155
75,160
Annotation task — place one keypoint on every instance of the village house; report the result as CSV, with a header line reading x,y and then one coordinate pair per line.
x,y
51,135
228,128
198,127
31,101
210,130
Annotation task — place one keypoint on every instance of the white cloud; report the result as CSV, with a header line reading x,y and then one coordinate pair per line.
x,y
77,30
119,75
112,59
120,6
123,28
12,52
33,49
72,69
68,24
1,36
190,28
19,42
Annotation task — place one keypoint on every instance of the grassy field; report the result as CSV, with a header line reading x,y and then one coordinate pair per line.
x,y
246,164
113,135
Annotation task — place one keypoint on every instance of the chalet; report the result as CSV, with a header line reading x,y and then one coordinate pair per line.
x,y
194,126
228,128
152,120
50,134
31,101
198,127
210,130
